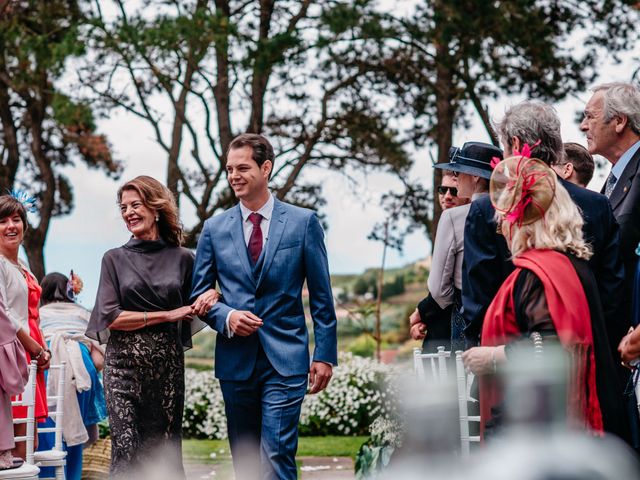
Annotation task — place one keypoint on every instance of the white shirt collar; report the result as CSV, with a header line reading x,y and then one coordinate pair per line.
x,y
266,210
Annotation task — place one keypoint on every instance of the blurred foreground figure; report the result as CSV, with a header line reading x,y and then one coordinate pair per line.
x,y
536,442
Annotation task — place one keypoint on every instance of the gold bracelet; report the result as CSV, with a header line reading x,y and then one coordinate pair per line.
x,y
145,318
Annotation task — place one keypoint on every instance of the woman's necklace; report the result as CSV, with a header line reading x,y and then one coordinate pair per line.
x,y
16,264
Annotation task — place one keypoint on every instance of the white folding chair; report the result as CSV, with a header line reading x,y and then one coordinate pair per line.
x,y
464,382
437,362
57,456
27,470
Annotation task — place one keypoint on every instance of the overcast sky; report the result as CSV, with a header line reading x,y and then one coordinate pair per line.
x,y
78,241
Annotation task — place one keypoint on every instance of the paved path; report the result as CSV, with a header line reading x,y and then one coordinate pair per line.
x,y
313,468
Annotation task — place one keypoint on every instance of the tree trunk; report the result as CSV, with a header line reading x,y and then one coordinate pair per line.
x,y
35,238
445,95
221,91
180,106
9,136
261,73
34,247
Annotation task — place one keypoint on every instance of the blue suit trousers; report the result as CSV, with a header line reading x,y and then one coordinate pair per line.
x,y
263,413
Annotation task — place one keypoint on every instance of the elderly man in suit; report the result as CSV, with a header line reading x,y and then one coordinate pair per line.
x,y
612,126
487,261
260,253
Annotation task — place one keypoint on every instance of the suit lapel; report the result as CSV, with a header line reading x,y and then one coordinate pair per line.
x,y
276,229
237,235
624,184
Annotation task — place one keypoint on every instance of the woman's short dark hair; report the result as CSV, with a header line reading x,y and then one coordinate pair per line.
x,y
262,149
159,198
9,206
54,289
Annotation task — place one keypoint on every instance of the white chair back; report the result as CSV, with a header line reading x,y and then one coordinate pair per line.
x,y
56,406
57,456
28,399
464,383
437,364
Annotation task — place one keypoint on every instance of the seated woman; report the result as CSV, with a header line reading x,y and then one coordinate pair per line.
x,y
63,323
551,292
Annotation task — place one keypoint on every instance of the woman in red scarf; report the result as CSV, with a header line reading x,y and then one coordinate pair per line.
x,y
545,293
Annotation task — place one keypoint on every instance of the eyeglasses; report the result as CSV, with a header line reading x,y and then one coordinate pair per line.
x,y
442,190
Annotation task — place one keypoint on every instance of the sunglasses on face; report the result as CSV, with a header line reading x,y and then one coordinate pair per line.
x,y
442,190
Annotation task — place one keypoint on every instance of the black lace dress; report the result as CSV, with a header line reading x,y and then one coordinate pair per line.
x,y
144,368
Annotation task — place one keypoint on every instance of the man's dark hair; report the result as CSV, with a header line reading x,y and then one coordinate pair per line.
x,y
262,149
581,160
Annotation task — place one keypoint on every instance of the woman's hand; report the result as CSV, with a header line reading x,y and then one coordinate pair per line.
x,y
204,302
97,356
629,347
44,360
483,360
182,313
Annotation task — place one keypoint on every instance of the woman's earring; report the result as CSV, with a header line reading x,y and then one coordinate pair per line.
x,y
157,218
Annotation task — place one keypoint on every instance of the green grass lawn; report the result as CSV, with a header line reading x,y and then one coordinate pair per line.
x,y
200,451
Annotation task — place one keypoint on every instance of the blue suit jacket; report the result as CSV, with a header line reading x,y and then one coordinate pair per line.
x,y
487,263
293,253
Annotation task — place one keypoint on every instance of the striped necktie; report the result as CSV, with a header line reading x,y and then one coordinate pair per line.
x,y
611,182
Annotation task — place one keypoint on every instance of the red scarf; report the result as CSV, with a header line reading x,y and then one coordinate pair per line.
x,y
572,321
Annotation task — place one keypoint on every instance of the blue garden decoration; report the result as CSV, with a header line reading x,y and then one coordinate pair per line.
x,y
28,201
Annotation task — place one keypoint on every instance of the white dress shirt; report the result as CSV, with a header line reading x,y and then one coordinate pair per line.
x,y
247,227
618,169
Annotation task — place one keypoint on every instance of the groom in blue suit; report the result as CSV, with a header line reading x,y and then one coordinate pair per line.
x,y
260,253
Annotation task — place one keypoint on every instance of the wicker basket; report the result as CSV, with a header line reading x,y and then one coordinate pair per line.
x,y
96,460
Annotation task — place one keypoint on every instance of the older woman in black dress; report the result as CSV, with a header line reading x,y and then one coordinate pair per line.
x,y
142,312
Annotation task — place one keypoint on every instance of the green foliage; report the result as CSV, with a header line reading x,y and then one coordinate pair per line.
x,y
68,112
375,454
371,460
279,65
393,287
44,126
361,286
199,451
363,346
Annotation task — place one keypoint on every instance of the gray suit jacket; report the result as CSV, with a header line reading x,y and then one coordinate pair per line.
x,y
446,262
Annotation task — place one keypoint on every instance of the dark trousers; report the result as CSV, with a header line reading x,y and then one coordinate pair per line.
x,y
262,420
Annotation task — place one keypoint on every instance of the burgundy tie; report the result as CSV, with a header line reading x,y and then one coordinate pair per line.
x,y
255,241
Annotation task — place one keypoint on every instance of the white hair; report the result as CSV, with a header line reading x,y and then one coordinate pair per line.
x,y
532,121
621,98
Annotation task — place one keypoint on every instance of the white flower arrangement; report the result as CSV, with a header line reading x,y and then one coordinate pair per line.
x,y
358,393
